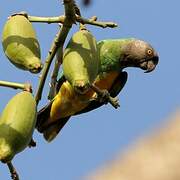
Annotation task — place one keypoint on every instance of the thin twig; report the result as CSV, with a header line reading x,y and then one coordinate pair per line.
x,y
49,20
95,23
58,43
61,19
12,170
25,87
46,67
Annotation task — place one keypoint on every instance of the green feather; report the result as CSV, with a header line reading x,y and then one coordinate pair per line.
x,y
111,52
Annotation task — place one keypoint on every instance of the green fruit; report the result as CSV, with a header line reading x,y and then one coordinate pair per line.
x,y
81,60
21,45
17,124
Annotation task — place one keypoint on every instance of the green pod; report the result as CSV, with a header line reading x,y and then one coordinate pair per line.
x,y
21,45
17,124
81,60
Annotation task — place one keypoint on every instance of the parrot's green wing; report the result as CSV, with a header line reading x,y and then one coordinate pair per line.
x,y
117,86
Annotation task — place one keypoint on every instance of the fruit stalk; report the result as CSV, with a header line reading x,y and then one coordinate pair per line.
x,y
14,85
12,170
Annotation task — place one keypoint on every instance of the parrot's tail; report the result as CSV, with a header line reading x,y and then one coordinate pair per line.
x,y
49,130
42,117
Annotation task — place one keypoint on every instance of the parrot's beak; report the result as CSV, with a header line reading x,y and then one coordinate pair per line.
x,y
150,64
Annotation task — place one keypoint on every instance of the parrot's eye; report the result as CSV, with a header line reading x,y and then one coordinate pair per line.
x,y
149,52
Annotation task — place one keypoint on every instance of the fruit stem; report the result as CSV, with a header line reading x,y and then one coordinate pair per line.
x,y
12,170
25,87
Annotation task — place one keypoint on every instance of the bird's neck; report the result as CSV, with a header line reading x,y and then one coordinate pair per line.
x,y
111,54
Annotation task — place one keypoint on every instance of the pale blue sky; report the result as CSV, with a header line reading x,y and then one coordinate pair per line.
x,y
91,139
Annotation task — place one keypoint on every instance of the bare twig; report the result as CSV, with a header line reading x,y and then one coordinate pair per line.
x,y
49,20
95,23
14,174
46,67
61,19
25,87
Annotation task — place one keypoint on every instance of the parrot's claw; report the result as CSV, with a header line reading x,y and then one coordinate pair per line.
x,y
114,102
104,97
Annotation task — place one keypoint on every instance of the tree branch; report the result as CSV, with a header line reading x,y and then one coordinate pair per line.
x,y
49,20
58,43
95,23
61,19
68,22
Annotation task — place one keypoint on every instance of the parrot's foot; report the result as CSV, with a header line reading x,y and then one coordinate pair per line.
x,y
103,96
32,143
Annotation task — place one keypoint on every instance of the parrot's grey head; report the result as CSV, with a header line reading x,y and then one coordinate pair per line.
x,y
138,53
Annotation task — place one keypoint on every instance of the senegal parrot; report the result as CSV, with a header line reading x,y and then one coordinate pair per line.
x,y
115,55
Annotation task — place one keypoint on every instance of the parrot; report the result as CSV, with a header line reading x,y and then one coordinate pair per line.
x,y
81,64
115,56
